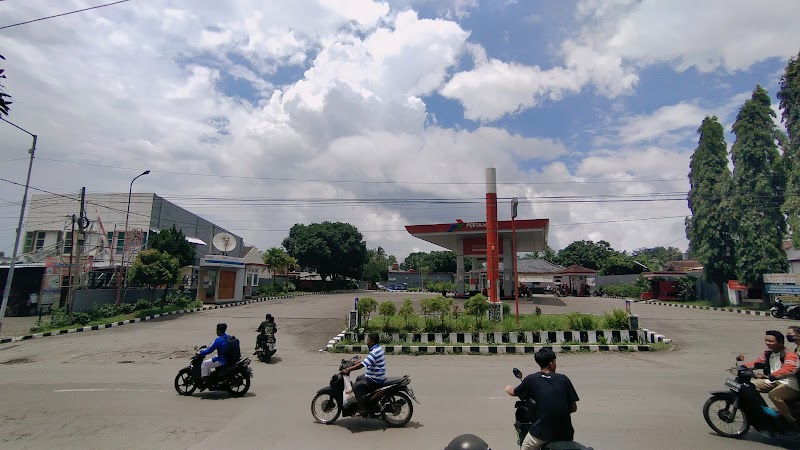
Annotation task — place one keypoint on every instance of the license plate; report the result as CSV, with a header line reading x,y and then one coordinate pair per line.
x,y
733,385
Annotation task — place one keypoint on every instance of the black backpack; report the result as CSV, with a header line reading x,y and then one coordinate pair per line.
x,y
233,353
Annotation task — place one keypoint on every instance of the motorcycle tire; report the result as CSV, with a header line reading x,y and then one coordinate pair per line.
x,y
776,314
710,408
397,402
326,405
184,382
239,383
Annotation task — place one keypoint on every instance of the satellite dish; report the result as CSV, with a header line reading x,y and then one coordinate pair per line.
x,y
224,242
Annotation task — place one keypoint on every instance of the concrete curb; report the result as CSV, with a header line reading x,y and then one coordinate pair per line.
x,y
26,337
745,312
495,349
508,342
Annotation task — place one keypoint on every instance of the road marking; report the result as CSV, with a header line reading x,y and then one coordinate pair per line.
x,y
110,390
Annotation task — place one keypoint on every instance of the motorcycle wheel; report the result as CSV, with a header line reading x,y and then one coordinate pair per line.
x,y
776,314
325,408
239,383
184,382
717,412
397,410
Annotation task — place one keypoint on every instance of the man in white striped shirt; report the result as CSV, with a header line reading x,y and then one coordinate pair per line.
x,y
375,376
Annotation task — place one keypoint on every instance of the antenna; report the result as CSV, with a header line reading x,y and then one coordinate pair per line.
x,y
224,242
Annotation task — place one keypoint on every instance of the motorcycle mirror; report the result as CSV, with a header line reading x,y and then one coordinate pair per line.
x,y
517,373
740,358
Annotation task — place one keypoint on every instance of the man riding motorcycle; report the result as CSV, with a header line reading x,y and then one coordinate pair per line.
x,y
779,380
375,376
221,346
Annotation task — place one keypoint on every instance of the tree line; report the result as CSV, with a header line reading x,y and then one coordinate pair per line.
x,y
741,218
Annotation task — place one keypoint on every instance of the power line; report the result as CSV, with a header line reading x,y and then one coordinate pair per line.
x,y
64,14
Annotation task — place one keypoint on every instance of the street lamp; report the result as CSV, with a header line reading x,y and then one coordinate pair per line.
x,y
7,290
125,241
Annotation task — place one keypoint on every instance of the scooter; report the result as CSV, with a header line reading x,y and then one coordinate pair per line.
x,y
390,403
232,377
780,310
525,417
731,413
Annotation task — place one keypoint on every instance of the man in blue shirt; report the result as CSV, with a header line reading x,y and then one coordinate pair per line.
x,y
221,346
375,363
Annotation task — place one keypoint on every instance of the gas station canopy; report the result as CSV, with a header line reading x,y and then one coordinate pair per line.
x,y
531,235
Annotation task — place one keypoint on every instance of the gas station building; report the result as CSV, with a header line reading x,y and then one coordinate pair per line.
x,y
469,240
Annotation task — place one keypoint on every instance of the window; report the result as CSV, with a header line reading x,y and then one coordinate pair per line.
x,y
39,244
255,280
68,243
110,237
28,242
120,242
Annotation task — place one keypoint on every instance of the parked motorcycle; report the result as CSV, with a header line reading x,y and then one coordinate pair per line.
x,y
232,377
390,403
731,413
265,346
525,416
780,310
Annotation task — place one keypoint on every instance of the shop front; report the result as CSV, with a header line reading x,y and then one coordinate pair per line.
x,y
221,279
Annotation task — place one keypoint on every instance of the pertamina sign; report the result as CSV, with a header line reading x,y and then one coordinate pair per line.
x,y
782,278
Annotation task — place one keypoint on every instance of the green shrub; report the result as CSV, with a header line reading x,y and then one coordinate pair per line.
x,y
477,306
406,311
581,322
290,287
617,319
506,309
387,310
142,305
367,306
80,318
126,308
628,290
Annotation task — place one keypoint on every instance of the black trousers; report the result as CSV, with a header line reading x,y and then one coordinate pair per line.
x,y
362,388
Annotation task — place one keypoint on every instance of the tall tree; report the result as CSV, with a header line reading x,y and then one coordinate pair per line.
x,y
277,260
333,249
758,182
710,228
173,242
4,98
588,254
789,96
154,268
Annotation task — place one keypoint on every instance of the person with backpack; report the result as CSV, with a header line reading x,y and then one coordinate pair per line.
x,y
781,368
221,345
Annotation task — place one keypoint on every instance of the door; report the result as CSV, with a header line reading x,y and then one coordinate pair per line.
x,y
227,285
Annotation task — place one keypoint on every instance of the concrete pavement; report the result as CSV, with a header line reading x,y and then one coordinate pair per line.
x,y
113,388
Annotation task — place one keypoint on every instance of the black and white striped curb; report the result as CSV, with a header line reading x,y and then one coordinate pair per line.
x,y
156,316
494,349
746,312
591,340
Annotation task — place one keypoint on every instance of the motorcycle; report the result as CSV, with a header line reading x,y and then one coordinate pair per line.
x,y
524,417
390,403
731,413
780,310
265,346
232,377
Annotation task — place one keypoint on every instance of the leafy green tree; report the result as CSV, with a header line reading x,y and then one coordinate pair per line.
x,y
620,263
406,310
367,306
789,96
173,242
154,268
710,229
376,268
277,260
333,249
588,254
436,261
4,98
758,183
387,310
657,258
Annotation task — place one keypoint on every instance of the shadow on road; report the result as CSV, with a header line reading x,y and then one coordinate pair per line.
x,y
360,425
219,395
778,441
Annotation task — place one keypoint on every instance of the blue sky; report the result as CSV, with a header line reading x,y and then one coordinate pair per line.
x,y
585,99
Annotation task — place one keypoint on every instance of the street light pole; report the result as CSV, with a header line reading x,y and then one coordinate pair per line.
x,y
7,290
122,272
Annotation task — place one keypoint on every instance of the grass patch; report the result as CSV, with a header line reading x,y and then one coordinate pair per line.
x,y
115,318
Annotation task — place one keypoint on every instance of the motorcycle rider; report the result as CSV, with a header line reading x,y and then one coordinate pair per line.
x,y
780,373
555,399
266,327
220,344
375,362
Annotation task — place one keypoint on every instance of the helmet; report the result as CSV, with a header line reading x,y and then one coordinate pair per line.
x,y
467,442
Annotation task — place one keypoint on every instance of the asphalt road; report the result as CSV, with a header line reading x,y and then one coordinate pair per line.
x,y
113,388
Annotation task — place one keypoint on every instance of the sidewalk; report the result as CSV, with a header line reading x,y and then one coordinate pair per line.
x,y
18,326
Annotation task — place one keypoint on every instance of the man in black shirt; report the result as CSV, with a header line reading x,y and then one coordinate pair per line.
x,y
555,399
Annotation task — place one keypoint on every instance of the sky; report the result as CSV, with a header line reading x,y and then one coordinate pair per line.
x,y
261,115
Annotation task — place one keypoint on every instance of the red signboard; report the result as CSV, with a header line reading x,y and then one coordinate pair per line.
x,y
736,286
477,246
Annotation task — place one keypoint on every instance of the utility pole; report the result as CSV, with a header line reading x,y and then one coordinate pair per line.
x,y
78,246
71,261
7,290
